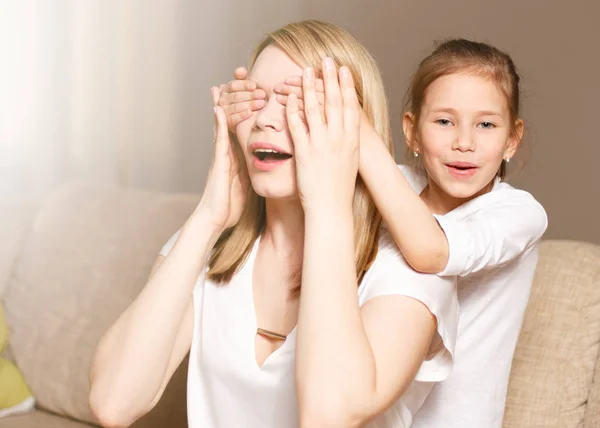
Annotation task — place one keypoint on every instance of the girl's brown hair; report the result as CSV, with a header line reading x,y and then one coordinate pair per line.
x,y
308,43
469,57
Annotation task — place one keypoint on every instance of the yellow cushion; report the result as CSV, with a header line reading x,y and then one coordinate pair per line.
x,y
15,396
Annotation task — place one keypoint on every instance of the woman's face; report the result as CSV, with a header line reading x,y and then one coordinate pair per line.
x,y
264,137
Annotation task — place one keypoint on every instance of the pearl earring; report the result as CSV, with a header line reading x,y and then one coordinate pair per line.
x,y
507,160
416,154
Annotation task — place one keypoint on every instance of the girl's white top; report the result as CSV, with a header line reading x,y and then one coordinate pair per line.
x,y
226,387
494,241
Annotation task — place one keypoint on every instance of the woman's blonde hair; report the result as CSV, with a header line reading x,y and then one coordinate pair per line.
x,y
307,43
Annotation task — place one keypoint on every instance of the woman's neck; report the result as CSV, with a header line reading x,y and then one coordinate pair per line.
x,y
284,227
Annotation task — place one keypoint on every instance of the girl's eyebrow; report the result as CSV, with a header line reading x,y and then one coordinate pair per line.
x,y
453,111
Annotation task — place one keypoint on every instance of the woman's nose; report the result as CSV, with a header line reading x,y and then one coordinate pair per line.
x,y
271,116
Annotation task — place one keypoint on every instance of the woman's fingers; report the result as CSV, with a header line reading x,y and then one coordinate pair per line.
x,y
351,106
296,126
333,96
312,110
216,93
222,135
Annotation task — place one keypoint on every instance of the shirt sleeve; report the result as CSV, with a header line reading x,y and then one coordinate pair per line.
x,y
491,230
169,244
391,275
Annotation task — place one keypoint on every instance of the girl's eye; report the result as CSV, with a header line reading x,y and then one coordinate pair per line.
x,y
443,122
486,125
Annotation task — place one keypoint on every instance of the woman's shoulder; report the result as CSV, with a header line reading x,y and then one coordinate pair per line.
x,y
391,269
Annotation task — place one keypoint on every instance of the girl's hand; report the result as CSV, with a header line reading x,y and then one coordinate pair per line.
x,y
240,97
227,183
293,85
327,155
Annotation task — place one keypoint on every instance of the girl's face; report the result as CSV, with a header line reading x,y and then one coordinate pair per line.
x,y
464,133
264,137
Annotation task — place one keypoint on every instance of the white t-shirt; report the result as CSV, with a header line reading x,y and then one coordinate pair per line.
x,y
226,387
493,241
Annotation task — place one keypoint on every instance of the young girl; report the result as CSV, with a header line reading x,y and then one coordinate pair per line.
x,y
262,287
462,128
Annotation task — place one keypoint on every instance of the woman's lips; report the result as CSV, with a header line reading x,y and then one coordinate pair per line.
x,y
267,164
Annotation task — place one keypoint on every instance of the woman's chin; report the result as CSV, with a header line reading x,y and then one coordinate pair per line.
x,y
279,192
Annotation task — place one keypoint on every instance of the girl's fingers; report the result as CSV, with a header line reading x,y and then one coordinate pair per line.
x,y
240,73
333,95
241,107
241,96
239,85
282,99
234,119
296,126
297,81
284,89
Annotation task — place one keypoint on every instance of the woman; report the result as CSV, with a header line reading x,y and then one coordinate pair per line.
x,y
294,308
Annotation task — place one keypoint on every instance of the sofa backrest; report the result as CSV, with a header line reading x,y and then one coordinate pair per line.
x,y
552,379
85,258
88,254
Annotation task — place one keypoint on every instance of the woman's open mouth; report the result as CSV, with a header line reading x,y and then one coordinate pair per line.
x,y
268,158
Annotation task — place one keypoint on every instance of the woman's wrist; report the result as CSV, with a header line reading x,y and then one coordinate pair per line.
x,y
203,220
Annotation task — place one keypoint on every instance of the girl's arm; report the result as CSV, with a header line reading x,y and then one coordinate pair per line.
x,y
415,230
492,230
351,361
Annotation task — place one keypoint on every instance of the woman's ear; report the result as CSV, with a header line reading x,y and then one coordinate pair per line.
x,y
514,139
408,127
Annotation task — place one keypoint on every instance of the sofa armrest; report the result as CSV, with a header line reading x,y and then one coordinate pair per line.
x,y
16,217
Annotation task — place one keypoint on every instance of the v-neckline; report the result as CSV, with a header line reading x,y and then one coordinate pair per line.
x,y
254,318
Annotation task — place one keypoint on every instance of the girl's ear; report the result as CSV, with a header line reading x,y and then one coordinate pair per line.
x,y
408,127
515,138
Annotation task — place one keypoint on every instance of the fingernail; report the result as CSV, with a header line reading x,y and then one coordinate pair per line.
x,y
277,87
308,72
252,86
215,110
328,63
345,71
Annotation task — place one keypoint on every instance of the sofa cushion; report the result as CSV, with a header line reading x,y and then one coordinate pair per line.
x,y
558,347
592,412
15,220
41,419
87,256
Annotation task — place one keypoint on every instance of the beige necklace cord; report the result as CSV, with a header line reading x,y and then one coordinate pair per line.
x,y
270,334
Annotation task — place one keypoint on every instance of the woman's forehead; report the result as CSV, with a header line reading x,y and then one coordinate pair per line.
x,y
273,66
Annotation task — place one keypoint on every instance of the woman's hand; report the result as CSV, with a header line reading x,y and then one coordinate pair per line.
x,y
240,97
227,183
327,155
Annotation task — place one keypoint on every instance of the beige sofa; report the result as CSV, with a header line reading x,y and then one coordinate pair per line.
x,y
69,266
